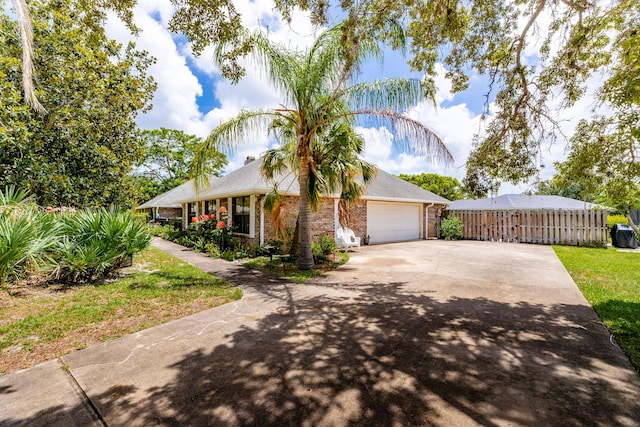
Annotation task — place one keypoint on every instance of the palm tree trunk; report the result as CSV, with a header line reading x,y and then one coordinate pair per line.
x,y
305,259
295,241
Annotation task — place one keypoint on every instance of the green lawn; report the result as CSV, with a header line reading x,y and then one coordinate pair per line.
x,y
610,281
38,324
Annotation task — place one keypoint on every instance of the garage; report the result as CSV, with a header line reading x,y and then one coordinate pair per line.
x,y
393,222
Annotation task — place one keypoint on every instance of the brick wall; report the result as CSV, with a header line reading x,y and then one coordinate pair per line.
x,y
323,220
170,213
433,217
289,209
358,218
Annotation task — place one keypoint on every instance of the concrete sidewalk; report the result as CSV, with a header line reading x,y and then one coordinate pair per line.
x,y
418,333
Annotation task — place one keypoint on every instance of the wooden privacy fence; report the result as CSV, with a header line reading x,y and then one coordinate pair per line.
x,y
584,227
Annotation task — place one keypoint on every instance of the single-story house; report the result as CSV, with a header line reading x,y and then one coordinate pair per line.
x,y
520,201
390,210
168,205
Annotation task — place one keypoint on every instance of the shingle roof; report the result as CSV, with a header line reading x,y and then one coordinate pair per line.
x,y
249,180
389,187
521,201
173,197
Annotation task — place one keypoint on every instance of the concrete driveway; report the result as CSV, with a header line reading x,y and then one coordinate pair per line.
x,y
419,333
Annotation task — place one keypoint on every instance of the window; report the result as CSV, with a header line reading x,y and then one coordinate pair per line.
x,y
241,214
191,212
209,206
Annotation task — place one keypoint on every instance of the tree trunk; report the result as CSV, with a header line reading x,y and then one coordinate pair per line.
x,y
305,259
295,241
633,224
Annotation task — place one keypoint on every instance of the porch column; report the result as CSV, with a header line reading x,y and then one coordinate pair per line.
x,y
252,216
261,224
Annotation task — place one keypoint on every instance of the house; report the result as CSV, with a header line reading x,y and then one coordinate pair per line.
x,y
168,205
390,210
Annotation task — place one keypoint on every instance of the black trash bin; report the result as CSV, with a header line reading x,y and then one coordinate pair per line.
x,y
622,236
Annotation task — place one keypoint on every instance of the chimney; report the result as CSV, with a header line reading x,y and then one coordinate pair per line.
x,y
248,160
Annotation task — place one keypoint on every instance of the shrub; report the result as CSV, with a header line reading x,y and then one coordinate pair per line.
x,y
616,219
327,244
318,254
451,228
199,243
96,242
26,236
78,247
255,250
212,250
164,231
228,255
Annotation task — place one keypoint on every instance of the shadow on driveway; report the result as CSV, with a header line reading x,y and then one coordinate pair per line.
x,y
380,353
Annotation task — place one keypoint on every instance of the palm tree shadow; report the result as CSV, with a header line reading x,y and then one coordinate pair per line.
x,y
389,357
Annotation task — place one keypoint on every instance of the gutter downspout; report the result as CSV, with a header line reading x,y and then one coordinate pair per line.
x,y
426,237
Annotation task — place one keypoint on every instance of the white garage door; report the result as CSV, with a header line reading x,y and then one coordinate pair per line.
x,y
393,222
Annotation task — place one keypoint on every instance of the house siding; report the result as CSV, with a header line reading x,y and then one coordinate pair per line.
x,y
323,221
170,213
432,221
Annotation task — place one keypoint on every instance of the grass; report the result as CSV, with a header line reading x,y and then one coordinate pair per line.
x,y
43,323
610,281
290,271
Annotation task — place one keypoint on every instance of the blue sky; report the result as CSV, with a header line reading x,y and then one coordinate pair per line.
x,y
192,96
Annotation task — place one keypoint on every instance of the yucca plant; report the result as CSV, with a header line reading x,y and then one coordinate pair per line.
x,y
11,197
97,242
27,234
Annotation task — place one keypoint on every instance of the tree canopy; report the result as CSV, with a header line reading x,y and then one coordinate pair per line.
x,y
320,101
80,151
445,186
533,52
166,160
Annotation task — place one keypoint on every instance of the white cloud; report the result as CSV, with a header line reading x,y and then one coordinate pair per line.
x,y
175,103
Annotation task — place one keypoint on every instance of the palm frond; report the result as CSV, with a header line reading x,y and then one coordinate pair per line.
x,y
272,203
227,136
412,136
389,94
26,39
274,61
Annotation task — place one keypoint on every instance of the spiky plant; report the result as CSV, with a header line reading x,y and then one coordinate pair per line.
x,y
27,234
97,242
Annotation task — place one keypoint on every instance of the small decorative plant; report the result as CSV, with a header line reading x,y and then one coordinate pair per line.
x,y
366,239
451,228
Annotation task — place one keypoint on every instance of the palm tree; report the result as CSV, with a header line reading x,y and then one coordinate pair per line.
x,y
317,94
338,170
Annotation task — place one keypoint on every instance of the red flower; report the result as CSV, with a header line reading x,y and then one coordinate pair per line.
x,y
222,210
220,224
194,219
205,217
